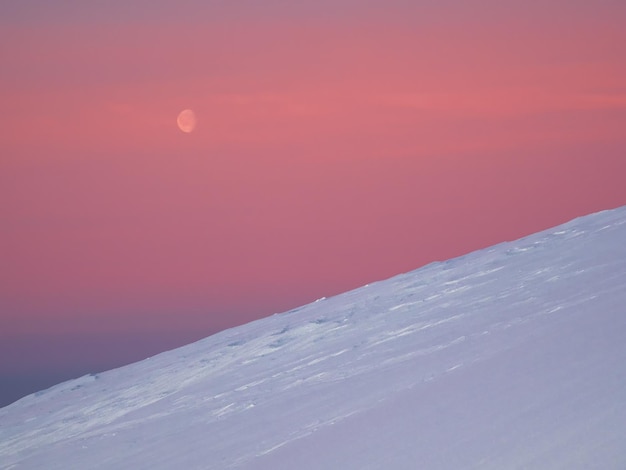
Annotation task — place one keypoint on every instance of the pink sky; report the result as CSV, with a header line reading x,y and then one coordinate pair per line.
x,y
337,144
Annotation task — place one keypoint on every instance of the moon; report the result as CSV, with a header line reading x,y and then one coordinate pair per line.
x,y
186,121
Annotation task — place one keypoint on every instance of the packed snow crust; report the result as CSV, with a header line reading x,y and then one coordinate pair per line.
x,y
510,357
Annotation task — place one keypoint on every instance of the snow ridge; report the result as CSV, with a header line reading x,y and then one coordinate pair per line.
x,y
508,357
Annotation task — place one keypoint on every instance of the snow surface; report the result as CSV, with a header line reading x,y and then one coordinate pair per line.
x,y
510,357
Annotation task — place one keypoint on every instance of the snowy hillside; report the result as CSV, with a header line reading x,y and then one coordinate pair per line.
x,y
511,357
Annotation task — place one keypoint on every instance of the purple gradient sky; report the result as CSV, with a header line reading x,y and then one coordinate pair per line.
x,y
337,143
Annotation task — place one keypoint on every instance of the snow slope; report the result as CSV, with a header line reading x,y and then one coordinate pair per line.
x,y
510,357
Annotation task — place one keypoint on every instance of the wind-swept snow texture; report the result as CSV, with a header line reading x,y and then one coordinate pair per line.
x,y
512,357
